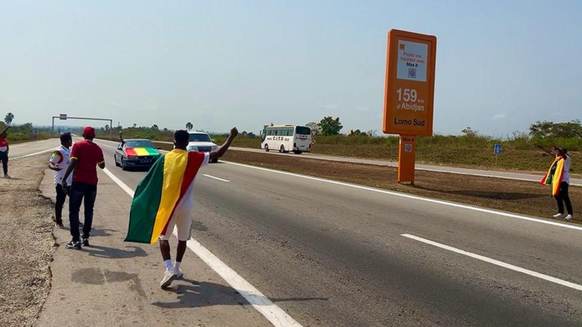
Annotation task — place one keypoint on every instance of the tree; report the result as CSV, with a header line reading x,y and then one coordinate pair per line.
x,y
134,125
357,132
155,127
107,127
9,118
548,129
330,126
313,126
469,132
189,126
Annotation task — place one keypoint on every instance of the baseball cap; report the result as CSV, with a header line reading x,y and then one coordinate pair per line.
x,y
89,132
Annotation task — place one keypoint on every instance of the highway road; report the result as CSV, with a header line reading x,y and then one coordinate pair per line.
x,y
334,254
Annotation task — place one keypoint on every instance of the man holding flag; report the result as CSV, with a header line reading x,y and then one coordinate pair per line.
x,y
164,200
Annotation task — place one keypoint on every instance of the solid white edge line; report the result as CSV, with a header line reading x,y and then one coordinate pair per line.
x,y
497,262
272,312
120,183
413,197
33,154
217,178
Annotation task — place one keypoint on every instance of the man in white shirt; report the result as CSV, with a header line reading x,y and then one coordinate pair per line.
x,y
59,162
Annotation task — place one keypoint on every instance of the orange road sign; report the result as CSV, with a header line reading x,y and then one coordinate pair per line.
x,y
409,89
409,94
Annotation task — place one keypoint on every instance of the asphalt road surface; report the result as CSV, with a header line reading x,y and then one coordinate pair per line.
x,y
333,254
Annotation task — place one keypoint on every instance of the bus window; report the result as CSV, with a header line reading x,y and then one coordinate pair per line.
x,y
303,130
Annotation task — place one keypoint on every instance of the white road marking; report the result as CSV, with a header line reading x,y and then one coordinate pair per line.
x,y
258,300
117,181
218,179
34,154
497,263
413,197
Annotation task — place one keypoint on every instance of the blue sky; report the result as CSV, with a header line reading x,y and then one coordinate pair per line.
x,y
501,65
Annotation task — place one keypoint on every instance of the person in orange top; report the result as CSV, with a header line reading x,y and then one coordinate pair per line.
x,y
4,149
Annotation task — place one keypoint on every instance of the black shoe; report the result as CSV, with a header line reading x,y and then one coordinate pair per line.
x,y
59,223
85,241
74,245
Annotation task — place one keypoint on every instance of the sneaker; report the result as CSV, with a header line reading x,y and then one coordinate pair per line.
x,y
569,217
74,245
85,241
169,277
178,273
558,215
7,176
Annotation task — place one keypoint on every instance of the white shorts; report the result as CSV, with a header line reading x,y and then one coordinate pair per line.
x,y
183,221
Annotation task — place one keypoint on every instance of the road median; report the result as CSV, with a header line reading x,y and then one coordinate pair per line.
x,y
507,195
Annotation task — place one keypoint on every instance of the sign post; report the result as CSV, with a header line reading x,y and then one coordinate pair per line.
x,y
497,152
409,94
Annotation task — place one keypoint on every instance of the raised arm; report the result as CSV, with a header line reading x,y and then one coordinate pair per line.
x,y
545,150
222,150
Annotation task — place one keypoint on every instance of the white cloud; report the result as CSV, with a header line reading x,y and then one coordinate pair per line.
x,y
499,116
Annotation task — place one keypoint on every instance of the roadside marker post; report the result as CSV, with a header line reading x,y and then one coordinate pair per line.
x,y
409,94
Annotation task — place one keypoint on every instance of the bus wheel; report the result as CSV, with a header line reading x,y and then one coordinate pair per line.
x,y
297,152
267,147
282,149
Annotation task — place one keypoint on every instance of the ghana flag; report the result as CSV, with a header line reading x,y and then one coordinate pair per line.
x,y
158,195
141,152
554,175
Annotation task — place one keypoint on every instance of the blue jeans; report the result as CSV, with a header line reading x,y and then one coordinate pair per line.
x,y
4,159
81,192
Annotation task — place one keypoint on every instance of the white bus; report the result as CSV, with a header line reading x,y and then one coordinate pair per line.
x,y
285,138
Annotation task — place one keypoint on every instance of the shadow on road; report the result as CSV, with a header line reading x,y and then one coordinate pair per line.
x,y
192,294
486,194
113,253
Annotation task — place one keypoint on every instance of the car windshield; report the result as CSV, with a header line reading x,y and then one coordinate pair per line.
x,y
302,130
199,138
139,144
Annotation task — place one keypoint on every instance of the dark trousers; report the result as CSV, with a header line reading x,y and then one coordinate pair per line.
x,y
61,197
81,193
4,159
562,198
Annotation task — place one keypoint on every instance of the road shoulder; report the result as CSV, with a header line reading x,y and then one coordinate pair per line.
x,y
113,283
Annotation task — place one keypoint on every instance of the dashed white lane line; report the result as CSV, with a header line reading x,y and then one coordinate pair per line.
x,y
258,300
497,263
216,178
413,197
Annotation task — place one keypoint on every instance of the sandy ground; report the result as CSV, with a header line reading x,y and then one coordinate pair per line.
x,y
26,243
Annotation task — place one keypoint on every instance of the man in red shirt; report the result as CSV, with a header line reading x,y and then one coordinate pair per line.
x,y
4,148
85,157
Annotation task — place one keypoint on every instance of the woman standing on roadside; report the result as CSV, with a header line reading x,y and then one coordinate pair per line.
x,y
559,177
4,148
